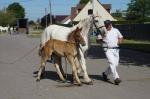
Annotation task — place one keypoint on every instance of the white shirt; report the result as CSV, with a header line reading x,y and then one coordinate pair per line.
x,y
111,39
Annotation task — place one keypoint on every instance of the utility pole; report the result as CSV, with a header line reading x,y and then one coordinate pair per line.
x,y
50,11
5,10
46,17
92,1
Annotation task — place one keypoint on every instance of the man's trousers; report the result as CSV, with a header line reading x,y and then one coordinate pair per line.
x,y
113,60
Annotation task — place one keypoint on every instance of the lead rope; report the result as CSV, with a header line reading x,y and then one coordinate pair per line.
x,y
20,58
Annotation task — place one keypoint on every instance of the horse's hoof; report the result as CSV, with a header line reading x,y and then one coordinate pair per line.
x,y
64,81
79,84
89,83
37,80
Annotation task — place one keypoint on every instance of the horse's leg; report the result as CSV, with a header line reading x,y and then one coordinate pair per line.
x,y
83,65
74,69
58,69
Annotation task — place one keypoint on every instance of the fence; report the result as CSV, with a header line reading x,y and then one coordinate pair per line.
x,y
135,31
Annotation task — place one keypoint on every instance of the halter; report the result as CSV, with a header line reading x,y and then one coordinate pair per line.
x,y
95,24
97,28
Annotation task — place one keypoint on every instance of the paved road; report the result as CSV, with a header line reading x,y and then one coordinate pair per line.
x,y
19,61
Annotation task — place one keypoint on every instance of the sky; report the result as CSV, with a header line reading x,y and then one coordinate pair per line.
x,y
35,9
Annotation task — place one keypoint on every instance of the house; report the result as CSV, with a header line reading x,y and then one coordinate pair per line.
x,y
93,6
81,11
56,19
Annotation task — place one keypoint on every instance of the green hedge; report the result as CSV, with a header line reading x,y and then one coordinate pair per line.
x,y
138,21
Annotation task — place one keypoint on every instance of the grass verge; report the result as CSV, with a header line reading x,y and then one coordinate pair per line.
x,y
138,45
35,34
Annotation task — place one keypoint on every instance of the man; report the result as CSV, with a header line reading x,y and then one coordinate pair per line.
x,y
110,44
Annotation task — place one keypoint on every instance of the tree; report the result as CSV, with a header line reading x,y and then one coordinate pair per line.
x,y
119,15
17,9
84,1
138,9
7,18
31,22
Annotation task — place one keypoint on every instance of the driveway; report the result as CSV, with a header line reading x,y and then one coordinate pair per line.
x,y
19,61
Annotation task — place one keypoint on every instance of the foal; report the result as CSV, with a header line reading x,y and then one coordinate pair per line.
x,y
66,49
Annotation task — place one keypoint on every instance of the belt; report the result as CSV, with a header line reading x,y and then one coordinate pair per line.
x,y
111,47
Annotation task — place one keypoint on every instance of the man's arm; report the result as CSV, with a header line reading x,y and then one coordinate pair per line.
x,y
120,37
120,40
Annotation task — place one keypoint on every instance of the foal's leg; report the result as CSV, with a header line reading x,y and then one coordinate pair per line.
x,y
77,65
58,70
42,67
44,57
83,65
60,65
74,69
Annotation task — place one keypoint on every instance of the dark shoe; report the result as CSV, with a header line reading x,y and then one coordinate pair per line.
x,y
117,81
104,76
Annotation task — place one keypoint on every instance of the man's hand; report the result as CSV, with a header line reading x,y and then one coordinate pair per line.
x,y
99,40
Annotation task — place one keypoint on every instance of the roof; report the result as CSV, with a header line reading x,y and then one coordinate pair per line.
x,y
74,9
59,18
107,6
66,20
73,13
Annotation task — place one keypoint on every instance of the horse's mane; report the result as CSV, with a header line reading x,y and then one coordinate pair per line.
x,y
85,24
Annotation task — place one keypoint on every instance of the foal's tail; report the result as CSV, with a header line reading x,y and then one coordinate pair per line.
x,y
40,50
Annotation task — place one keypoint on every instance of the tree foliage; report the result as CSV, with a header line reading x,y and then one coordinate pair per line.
x,y
17,9
7,18
138,9
84,1
13,12
118,14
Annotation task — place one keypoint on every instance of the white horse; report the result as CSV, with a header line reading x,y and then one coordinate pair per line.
x,y
61,33
0,29
3,29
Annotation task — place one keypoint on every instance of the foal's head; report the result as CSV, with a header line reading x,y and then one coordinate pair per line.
x,y
76,37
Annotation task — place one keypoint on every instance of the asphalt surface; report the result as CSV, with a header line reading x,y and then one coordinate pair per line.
x,y
19,62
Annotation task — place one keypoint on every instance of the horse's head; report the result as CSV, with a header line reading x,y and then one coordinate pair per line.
x,y
78,37
99,25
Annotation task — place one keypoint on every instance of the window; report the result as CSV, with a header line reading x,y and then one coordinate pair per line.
x,y
90,11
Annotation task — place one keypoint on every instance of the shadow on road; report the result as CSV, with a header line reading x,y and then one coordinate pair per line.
x,y
99,78
136,58
127,57
52,75
95,52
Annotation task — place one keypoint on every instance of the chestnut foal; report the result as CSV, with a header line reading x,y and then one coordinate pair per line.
x,y
66,49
